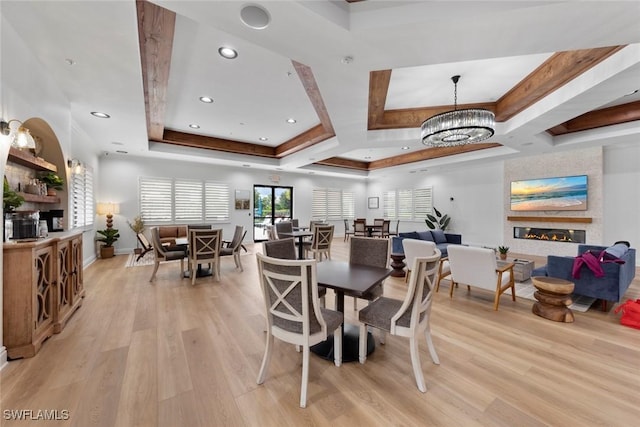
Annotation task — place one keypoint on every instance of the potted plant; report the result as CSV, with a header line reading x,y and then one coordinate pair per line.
x,y
439,221
11,199
53,181
109,237
503,251
137,225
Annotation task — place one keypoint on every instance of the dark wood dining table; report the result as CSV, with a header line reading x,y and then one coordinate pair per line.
x,y
353,280
370,228
300,234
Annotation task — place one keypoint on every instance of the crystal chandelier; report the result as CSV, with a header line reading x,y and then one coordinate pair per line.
x,y
458,127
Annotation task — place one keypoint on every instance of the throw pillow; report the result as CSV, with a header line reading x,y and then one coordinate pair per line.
x,y
438,236
409,235
425,235
616,251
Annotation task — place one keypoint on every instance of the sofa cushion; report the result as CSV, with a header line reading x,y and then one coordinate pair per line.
x,y
167,231
425,235
438,236
181,231
616,251
409,235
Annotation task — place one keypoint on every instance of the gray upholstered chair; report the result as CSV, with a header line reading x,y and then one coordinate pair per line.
x,y
163,254
233,247
369,251
283,227
294,315
359,228
286,249
407,318
204,247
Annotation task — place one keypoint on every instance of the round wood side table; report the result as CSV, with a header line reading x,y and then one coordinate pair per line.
x,y
397,263
554,298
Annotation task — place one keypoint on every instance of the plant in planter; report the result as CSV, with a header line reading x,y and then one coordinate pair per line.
x,y
439,221
109,237
504,250
11,199
53,181
137,225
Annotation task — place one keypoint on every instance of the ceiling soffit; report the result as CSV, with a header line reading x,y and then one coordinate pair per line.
x,y
156,26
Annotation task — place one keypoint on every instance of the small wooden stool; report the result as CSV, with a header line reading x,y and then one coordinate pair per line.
x,y
554,298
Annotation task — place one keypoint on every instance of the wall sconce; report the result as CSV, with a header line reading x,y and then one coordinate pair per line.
x,y
108,209
19,137
75,165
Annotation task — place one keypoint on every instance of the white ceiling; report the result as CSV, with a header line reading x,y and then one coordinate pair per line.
x,y
492,45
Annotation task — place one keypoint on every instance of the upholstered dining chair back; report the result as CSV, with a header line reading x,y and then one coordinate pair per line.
x,y
414,248
283,227
359,228
232,248
369,251
473,266
204,247
295,223
293,312
163,254
408,317
372,252
281,248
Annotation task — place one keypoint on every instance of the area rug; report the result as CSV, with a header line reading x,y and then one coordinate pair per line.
x,y
526,290
148,259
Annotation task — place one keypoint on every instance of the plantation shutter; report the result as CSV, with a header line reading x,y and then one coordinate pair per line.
x,y
348,205
217,201
188,200
156,199
319,204
422,202
389,205
405,204
334,204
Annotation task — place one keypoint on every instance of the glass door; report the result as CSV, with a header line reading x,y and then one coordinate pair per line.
x,y
271,204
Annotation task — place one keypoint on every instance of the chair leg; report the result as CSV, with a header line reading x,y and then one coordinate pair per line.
x,y
305,376
432,348
415,362
355,303
406,276
192,273
265,359
155,269
451,289
236,257
362,343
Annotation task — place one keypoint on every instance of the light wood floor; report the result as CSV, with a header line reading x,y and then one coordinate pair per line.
x,y
171,354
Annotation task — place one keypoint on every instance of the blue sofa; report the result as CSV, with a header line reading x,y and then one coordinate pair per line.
x,y
439,237
611,287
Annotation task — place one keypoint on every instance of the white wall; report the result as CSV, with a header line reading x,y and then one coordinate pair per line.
x,y
118,183
476,208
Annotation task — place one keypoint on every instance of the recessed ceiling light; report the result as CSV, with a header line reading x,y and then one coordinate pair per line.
x,y
117,143
70,61
246,166
291,121
122,152
255,17
347,60
405,148
194,126
206,99
228,53
263,138
100,115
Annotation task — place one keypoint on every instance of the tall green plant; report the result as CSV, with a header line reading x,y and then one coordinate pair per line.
x,y
439,221
109,236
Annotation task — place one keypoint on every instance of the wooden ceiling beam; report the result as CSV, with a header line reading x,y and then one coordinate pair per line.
x,y
344,163
212,143
599,118
156,27
428,154
304,140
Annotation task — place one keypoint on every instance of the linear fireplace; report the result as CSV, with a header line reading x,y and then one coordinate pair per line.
x,y
550,234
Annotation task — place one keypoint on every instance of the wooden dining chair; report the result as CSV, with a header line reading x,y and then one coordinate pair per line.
x,y
146,245
409,317
321,243
204,247
286,249
359,227
163,254
347,230
232,248
414,248
293,312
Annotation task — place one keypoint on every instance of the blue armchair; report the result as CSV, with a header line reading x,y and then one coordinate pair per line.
x,y
611,287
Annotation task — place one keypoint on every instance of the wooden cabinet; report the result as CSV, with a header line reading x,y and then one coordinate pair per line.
x,y
42,288
69,289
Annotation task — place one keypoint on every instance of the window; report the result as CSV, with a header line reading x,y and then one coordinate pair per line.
x,y
408,204
82,201
332,204
167,200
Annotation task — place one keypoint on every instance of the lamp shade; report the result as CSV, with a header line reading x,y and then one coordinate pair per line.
x,y
108,208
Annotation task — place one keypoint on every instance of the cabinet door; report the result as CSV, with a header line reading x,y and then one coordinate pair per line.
x,y
63,294
44,282
77,286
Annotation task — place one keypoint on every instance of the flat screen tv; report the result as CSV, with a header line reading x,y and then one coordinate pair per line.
x,y
567,193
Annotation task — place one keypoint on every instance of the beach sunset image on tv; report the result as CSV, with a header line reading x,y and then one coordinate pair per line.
x,y
567,193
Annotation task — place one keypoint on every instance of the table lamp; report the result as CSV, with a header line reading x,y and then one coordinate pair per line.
x,y
108,209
